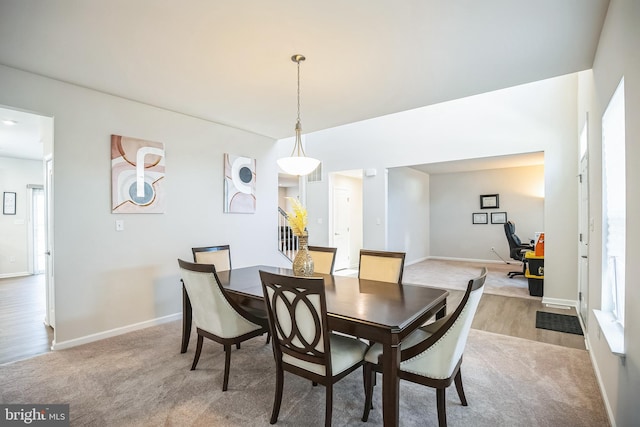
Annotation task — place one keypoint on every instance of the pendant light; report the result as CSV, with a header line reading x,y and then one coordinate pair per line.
x,y
298,163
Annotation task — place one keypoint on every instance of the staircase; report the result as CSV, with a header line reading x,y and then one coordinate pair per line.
x,y
287,242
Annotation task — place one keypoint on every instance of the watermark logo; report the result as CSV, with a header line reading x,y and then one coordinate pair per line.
x,y
34,415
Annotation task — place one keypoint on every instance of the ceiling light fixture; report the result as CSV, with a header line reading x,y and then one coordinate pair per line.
x,y
298,163
9,122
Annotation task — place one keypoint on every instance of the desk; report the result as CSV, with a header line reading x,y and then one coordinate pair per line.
x,y
378,311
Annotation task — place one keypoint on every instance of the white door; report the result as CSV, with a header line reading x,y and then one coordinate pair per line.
x,y
341,236
583,228
48,200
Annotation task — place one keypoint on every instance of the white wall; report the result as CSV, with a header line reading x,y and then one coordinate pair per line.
x,y
409,213
456,196
539,116
106,279
15,175
283,193
617,56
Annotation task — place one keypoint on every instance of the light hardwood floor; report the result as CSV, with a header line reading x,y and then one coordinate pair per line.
x,y
23,333
516,317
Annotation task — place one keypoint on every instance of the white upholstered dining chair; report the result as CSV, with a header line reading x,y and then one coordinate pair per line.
x,y
383,266
432,355
220,256
303,344
323,259
215,315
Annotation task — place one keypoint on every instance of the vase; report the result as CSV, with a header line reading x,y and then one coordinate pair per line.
x,y
302,262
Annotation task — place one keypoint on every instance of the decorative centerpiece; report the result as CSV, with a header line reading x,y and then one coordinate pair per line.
x,y
302,262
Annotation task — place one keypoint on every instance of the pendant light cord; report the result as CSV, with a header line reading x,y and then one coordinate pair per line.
x,y
298,145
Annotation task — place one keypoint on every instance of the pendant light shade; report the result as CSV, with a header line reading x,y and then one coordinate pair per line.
x,y
298,163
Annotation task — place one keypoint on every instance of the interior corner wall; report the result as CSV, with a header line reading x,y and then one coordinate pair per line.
x,y
456,196
616,57
15,175
107,280
409,213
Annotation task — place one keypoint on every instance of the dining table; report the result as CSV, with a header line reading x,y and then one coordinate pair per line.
x,y
380,312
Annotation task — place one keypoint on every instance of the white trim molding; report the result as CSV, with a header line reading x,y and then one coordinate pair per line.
x,y
114,332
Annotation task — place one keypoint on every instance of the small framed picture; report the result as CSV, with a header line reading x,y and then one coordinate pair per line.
x,y
489,201
9,203
480,218
498,217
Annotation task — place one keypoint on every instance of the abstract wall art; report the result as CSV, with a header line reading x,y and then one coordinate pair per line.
x,y
137,175
239,184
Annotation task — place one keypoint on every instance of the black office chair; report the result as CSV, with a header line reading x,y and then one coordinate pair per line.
x,y
517,249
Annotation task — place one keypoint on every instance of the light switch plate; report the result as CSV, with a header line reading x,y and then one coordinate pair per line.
x,y
119,225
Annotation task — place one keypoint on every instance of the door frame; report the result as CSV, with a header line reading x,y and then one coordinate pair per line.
x,y
50,318
584,224
342,261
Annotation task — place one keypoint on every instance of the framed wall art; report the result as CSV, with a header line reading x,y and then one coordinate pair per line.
x,y
489,201
9,203
480,218
137,175
498,217
239,184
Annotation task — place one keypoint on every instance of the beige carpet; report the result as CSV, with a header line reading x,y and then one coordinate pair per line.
x,y
141,379
456,274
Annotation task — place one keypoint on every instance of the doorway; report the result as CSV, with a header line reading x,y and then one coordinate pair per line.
x,y
345,229
26,147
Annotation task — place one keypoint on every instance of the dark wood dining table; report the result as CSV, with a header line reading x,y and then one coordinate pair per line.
x,y
378,311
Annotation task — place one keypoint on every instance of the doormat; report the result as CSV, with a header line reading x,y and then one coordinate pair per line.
x,y
558,322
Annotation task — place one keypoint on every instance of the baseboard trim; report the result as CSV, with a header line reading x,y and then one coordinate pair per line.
x,y
558,301
9,275
444,258
415,261
114,332
603,390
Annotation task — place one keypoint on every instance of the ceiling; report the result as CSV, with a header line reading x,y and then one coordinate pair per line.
x,y
20,134
229,62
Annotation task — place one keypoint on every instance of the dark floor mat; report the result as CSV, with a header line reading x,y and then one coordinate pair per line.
x,y
558,322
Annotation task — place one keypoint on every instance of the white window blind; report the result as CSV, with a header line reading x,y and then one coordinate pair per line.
x,y
614,199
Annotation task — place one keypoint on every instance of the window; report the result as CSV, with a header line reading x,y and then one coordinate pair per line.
x,y
611,315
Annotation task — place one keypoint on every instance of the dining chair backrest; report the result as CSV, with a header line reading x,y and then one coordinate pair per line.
x,y
212,309
438,355
324,259
297,311
383,266
220,256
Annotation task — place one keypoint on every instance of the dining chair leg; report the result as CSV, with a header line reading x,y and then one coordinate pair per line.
x,y
238,345
278,396
198,350
458,381
442,408
329,405
227,364
368,390
268,337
